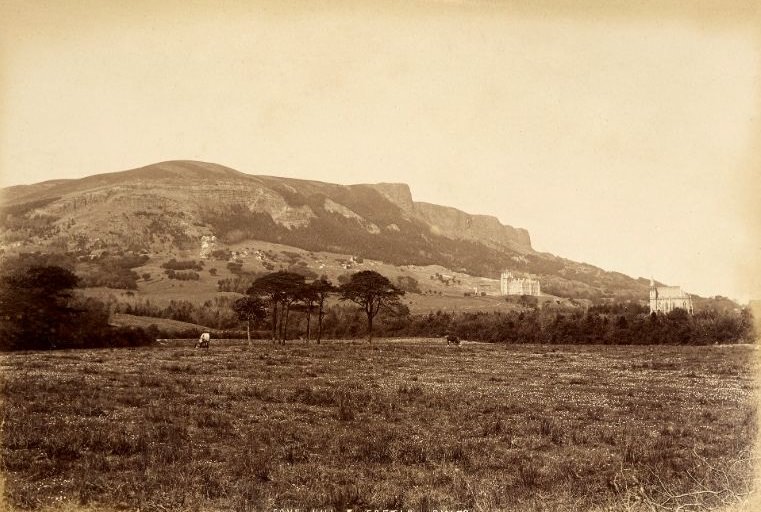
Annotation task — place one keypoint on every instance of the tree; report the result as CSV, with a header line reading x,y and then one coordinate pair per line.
x,y
251,309
34,307
293,287
280,289
308,297
372,292
322,288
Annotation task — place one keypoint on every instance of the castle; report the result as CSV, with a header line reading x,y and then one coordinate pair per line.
x,y
664,299
510,285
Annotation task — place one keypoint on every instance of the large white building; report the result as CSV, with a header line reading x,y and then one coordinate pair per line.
x,y
664,299
510,285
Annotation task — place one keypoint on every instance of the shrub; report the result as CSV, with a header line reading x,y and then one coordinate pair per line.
x,y
408,284
182,276
173,264
221,254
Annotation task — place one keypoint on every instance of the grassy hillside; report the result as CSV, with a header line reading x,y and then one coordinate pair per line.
x,y
440,288
165,324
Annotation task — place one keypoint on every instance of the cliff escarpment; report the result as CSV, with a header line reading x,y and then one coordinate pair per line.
x,y
456,224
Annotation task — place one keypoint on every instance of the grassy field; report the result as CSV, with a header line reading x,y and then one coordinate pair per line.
x,y
409,424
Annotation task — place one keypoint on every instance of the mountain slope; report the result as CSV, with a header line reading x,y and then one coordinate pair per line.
x,y
172,206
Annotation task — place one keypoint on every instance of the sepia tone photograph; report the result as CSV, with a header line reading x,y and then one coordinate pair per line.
x,y
424,255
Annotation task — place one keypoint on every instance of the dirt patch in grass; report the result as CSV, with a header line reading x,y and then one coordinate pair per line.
x,y
400,423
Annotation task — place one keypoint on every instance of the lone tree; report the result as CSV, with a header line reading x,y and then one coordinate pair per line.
x,y
372,292
251,310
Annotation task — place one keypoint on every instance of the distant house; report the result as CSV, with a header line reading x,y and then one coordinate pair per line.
x,y
510,285
664,299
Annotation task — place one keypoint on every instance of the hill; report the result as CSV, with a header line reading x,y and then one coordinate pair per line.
x,y
185,208
165,324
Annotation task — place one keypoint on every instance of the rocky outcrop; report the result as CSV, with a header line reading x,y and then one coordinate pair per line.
x,y
397,193
208,244
268,201
333,207
454,223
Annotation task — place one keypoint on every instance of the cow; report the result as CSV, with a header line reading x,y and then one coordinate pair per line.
x,y
203,341
452,339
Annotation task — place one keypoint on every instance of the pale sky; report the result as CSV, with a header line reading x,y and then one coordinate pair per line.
x,y
624,139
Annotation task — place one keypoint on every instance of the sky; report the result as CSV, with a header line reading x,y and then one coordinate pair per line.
x,y
621,134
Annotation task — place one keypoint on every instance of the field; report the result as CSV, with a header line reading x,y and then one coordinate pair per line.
x,y
410,424
144,322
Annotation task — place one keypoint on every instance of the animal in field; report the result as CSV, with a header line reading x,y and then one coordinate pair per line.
x,y
452,339
203,341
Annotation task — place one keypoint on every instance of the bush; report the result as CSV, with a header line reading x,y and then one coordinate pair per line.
x,y
173,264
221,254
182,276
408,284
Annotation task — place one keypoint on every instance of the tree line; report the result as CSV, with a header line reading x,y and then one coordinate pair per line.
x,y
38,310
628,327
277,295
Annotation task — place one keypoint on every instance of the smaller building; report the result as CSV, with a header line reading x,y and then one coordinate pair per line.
x,y
510,285
664,299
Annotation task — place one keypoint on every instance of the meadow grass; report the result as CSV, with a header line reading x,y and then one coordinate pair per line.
x,y
399,424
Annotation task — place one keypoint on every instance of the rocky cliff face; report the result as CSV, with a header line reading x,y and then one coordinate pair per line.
x,y
454,223
397,193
